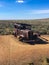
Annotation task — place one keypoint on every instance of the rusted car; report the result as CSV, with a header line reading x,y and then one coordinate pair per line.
x,y
24,32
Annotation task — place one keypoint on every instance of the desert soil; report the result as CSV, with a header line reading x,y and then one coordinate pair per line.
x,y
14,52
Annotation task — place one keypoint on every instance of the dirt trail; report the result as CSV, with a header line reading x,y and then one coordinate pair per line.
x,y
14,52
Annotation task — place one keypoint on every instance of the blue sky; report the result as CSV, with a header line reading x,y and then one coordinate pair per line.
x,y
24,9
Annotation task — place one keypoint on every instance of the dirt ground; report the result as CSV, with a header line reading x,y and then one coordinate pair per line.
x,y
14,52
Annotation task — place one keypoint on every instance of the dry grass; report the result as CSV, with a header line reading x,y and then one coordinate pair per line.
x,y
14,52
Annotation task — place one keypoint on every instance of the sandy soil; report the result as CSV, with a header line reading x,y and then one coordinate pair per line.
x,y
14,52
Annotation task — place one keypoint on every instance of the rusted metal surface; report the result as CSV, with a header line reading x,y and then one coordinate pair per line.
x,y
24,32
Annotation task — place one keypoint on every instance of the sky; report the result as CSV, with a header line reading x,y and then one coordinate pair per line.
x,y
24,9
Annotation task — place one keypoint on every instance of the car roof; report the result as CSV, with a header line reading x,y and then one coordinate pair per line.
x,y
24,24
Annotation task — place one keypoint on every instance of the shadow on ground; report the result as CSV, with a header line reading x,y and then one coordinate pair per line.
x,y
40,41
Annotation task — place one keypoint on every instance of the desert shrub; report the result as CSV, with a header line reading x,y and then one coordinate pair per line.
x,y
44,61
47,60
7,26
31,63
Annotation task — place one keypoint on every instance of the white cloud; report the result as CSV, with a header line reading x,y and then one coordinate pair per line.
x,y
39,11
20,1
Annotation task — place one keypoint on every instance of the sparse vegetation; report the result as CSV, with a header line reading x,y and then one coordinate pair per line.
x,y
42,26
